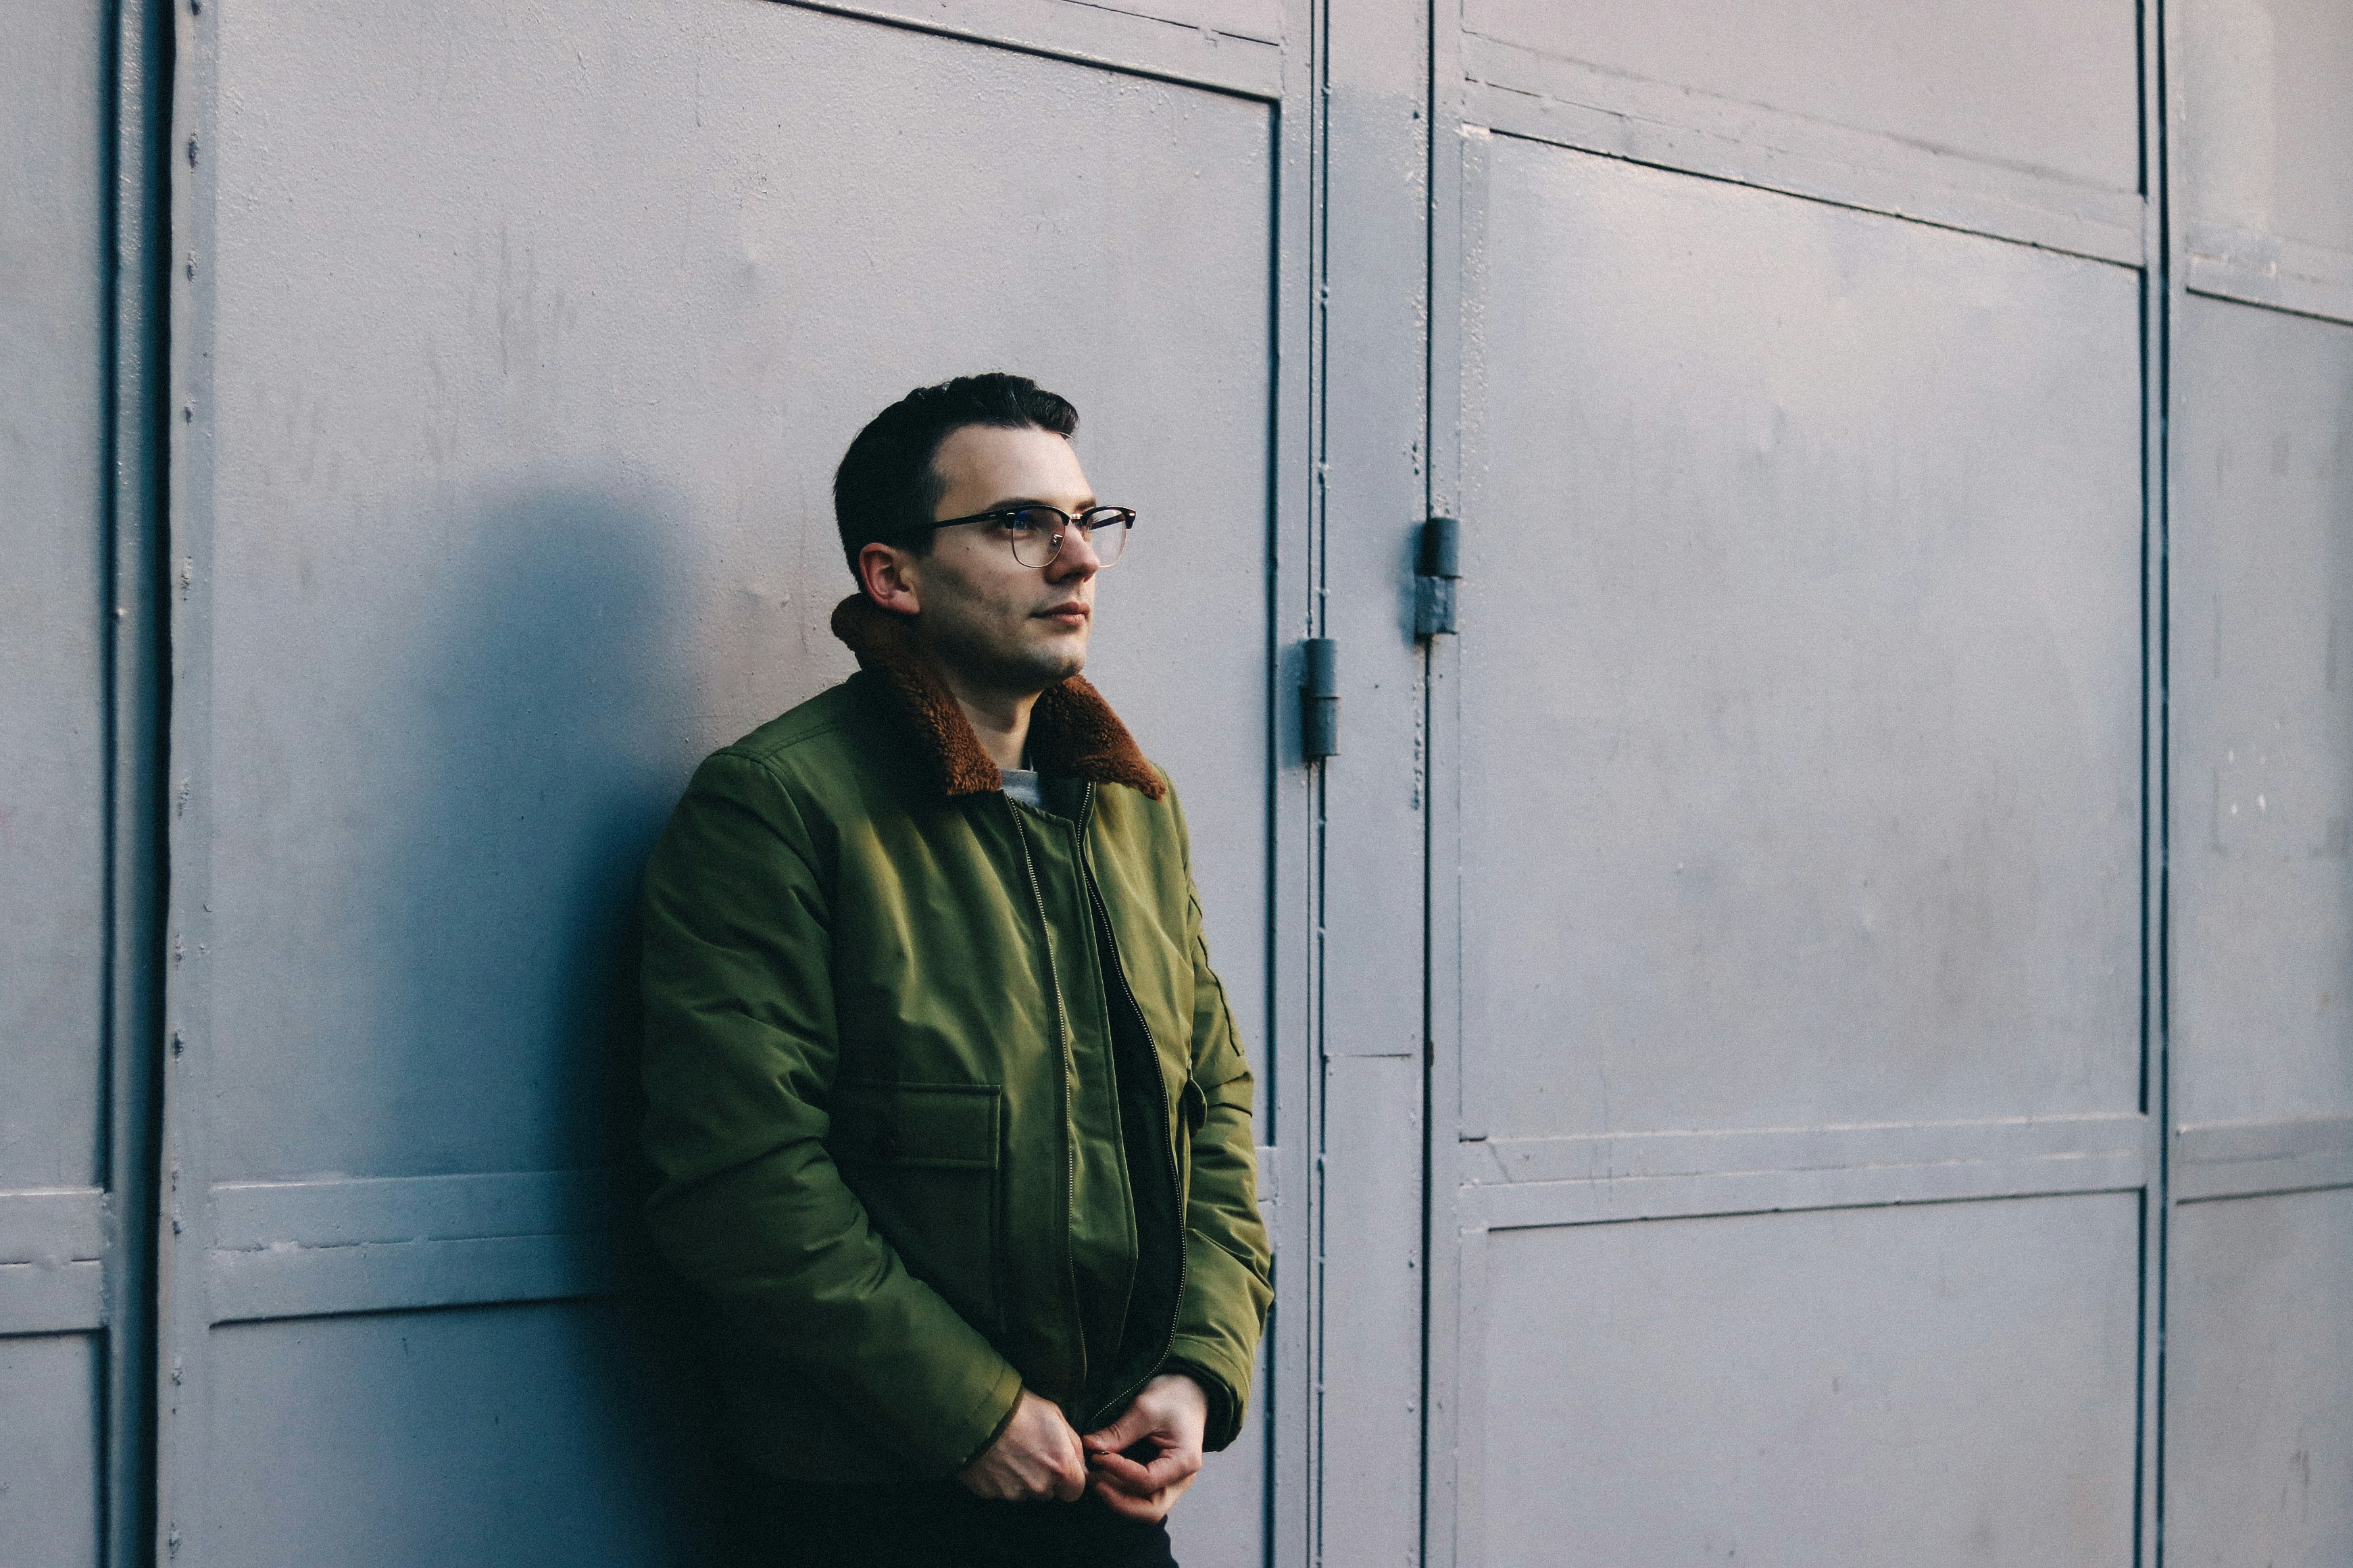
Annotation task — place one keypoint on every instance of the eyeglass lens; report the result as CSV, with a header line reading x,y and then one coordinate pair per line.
x,y
1037,533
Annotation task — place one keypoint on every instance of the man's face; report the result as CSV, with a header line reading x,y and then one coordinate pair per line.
x,y
998,626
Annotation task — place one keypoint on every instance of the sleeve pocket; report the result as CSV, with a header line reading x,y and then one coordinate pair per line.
x,y
1193,1106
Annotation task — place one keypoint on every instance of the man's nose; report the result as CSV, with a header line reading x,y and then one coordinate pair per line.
x,y
1076,557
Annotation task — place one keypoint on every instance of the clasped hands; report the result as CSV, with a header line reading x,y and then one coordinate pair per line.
x,y
1139,1464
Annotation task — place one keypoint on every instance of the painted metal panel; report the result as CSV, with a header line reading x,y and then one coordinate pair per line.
x,y
53,1247
1373,482
1801,777
49,1459
2265,141
1524,93
2243,1159
1797,733
545,513
2259,1383
1951,1385
518,363
1221,1521
1229,44
57,108
1512,1182
1288,1112
2258,1450
2022,84
56,123
426,1439
2262,734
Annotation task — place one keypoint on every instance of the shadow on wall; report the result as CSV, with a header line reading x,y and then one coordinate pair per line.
x,y
551,696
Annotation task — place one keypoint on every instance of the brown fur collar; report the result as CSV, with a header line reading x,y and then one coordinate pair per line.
x,y
1072,732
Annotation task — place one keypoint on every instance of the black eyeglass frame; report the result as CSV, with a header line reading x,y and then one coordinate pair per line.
x,y
1105,516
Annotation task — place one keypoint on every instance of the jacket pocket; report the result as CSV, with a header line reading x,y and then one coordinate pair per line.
x,y
924,1160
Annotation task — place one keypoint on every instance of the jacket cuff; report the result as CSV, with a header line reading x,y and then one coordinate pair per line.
x,y
965,1441
1225,1423
1217,1329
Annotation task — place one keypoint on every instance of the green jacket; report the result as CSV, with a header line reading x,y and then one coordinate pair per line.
x,y
944,1095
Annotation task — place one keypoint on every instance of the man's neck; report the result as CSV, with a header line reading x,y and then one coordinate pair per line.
x,y
1000,721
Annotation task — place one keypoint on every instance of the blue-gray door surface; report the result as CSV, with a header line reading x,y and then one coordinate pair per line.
x,y
2258,1408
513,350
79,839
1890,875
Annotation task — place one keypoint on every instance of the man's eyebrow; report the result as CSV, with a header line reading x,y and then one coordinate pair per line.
x,y
1012,501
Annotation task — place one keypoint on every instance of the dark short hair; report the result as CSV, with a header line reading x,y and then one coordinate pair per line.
x,y
886,488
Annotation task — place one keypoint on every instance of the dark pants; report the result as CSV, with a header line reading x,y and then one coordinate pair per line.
x,y
929,1524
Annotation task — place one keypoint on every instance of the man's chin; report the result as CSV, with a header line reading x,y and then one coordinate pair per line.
x,y
1036,669
1053,672
1056,661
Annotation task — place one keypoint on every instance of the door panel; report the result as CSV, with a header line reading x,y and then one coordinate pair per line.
x,y
1797,728
57,1246
2259,1453
49,1450
56,113
1364,1253
2262,838
2265,144
1941,1383
2052,88
1801,736
531,354
485,1434
519,602
2259,1450
2259,1383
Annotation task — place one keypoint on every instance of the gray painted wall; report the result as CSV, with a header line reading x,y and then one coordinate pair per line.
x,y
1819,1013
76,875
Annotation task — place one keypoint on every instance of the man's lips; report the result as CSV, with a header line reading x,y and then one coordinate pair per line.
x,y
1071,614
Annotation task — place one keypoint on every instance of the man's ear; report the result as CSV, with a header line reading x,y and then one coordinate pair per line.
x,y
888,573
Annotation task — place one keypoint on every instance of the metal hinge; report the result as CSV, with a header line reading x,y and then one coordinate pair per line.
x,y
1319,700
1440,569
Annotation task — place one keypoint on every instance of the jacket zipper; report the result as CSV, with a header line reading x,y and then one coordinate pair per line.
x,y
1167,1141
1062,1048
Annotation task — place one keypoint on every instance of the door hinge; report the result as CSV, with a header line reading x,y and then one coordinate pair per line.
x,y
1319,700
1440,569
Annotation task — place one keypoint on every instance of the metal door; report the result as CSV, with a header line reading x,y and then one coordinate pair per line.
x,y
514,351
1793,867
2259,1322
77,806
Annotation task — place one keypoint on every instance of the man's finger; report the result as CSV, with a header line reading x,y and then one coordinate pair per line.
x,y
1166,1470
1121,1434
1150,1506
1124,1473
1070,1478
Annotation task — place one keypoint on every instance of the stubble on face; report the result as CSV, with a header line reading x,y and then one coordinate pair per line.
x,y
992,632
995,624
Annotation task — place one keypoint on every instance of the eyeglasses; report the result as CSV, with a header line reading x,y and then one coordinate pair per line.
x,y
1036,532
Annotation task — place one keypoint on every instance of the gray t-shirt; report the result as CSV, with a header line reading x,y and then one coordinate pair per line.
x,y
1021,784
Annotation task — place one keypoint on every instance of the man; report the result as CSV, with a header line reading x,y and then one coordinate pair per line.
x,y
953,1127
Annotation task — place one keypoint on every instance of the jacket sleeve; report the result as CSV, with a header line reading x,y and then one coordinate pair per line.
x,y
739,1062
1229,1261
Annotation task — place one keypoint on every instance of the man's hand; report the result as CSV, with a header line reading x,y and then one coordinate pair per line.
x,y
1143,1461
1037,1456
